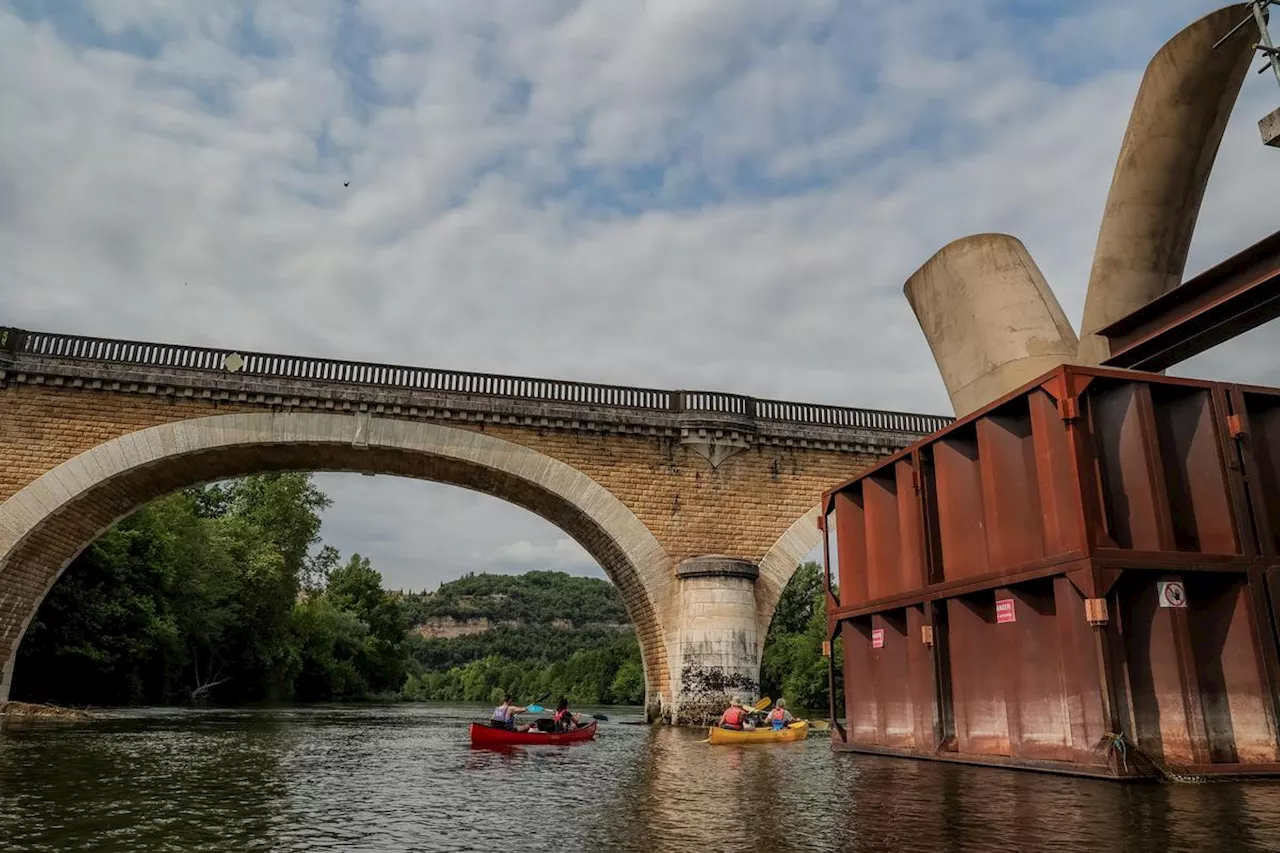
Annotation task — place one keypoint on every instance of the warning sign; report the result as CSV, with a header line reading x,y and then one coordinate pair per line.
x,y
877,638
1004,611
1172,593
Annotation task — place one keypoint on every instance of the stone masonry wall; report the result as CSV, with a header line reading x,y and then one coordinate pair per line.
x,y
739,508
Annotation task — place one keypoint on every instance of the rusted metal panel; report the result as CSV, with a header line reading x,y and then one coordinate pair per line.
x,y
912,553
1094,555
888,681
1259,415
1010,494
851,547
958,481
884,541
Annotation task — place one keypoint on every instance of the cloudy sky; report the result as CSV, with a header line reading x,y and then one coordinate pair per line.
x,y
722,194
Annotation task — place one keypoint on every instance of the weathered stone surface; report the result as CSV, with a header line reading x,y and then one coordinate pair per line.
x,y
717,653
990,318
1175,128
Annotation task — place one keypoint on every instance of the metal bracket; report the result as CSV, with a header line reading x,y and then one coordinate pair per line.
x,y
1095,611
1269,126
1068,409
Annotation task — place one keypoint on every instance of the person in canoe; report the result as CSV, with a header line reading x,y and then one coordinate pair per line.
x,y
565,720
734,717
504,716
779,716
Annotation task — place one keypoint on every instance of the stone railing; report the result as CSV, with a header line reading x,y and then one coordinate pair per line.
x,y
15,343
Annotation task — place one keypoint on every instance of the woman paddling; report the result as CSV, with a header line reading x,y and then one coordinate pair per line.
x,y
504,716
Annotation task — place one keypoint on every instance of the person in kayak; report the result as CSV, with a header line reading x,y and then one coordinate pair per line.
x,y
565,720
734,717
779,716
504,716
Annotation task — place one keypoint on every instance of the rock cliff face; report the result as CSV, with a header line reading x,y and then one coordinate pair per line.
x,y
446,627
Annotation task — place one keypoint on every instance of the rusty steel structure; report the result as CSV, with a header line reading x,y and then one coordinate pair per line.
x,y
1229,299
1083,576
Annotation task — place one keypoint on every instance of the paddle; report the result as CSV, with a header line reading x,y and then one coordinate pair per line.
x,y
538,709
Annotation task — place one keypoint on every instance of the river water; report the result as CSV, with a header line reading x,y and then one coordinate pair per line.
x,y
403,778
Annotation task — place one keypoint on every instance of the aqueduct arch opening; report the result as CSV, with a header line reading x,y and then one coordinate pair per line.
x,y
46,524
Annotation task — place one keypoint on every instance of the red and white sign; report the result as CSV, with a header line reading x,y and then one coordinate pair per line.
x,y
1172,594
877,638
1004,611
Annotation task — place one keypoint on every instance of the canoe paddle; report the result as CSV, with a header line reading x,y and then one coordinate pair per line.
x,y
538,709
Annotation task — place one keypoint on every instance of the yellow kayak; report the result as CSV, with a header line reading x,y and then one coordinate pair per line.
x,y
799,730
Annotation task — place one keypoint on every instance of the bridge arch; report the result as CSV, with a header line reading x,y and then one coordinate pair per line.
x,y
779,564
51,520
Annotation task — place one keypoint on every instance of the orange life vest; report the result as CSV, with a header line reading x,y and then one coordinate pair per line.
x,y
733,717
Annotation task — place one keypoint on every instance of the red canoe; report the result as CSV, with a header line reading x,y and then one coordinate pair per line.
x,y
482,735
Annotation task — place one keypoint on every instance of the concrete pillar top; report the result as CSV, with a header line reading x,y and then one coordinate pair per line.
x,y
717,565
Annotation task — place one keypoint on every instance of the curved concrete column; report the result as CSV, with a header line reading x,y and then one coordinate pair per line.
x,y
716,654
1173,136
45,525
990,318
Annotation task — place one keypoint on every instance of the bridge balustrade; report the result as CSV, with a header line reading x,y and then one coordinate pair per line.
x,y
18,342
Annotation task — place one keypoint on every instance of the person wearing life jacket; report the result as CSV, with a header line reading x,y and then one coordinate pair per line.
x,y
734,717
504,716
565,719
779,716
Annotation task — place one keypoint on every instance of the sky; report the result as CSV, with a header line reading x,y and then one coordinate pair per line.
x,y
712,194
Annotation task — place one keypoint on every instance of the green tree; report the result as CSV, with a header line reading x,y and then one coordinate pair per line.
x,y
188,598
792,665
357,589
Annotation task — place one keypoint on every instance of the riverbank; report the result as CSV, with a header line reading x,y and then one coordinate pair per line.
x,y
29,711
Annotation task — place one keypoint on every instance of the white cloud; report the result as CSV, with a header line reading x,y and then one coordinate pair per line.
x,y
687,193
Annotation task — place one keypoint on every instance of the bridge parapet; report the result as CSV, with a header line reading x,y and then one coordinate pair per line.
x,y
309,383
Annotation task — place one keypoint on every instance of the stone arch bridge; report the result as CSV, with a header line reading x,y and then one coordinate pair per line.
x,y
697,505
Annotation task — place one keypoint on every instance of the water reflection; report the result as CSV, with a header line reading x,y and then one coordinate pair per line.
x,y
404,778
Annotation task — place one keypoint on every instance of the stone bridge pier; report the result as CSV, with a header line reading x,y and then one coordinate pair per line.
x,y
718,652
698,506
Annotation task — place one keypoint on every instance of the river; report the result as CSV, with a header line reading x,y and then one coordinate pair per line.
x,y
403,778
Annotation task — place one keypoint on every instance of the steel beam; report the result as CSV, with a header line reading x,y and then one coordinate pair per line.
x,y
1237,295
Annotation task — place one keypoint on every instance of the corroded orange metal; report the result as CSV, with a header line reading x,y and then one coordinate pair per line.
x,y
1033,543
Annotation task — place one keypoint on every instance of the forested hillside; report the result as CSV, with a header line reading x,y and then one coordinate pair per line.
x,y
555,634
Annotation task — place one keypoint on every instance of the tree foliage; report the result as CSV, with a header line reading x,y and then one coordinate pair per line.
x,y
225,593
533,597
792,665
196,597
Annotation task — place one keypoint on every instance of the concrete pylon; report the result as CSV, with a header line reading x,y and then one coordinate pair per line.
x,y
990,318
1174,132
716,653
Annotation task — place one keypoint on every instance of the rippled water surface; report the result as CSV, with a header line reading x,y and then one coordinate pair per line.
x,y
403,778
